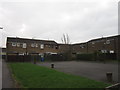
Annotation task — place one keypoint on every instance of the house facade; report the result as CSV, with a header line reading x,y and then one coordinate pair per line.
x,y
103,45
79,48
22,46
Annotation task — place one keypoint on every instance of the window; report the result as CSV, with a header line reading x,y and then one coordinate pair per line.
x,y
56,47
111,51
104,51
13,44
108,42
24,45
82,46
49,46
32,45
93,42
42,46
36,45
18,44
52,46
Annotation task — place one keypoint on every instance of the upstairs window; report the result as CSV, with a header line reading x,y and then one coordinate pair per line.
x,y
32,45
49,46
42,46
24,45
36,45
107,41
56,47
93,42
82,46
18,44
13,44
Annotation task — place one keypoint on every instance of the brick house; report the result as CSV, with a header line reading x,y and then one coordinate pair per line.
x,y
63,48
22,46
104,45
79,48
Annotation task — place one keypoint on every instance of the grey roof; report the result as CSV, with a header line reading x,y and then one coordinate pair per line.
x,y
26,40
80,43
103,38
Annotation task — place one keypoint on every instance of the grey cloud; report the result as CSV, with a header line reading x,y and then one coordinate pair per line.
x,y
49,20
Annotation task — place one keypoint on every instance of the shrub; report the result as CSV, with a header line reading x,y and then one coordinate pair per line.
x,y
85,57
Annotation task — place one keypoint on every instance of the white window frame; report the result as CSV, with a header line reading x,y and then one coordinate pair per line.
x,y
32,45
36,45
82,46
107,41
13,44
18,44
112,51
41,46
24,45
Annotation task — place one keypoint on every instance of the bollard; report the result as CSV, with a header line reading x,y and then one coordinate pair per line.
x,y
52,65
109,76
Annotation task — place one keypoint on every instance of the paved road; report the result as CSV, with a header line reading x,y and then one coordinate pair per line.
x,y
92,70
7,80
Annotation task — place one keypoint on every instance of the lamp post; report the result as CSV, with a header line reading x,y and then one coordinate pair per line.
x,y
1,38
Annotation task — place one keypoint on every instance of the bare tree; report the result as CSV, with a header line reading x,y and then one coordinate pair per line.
x,y
65,39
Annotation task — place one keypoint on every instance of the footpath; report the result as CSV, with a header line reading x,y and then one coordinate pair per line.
x,y
7,80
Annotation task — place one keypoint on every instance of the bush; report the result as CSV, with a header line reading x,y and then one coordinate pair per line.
x,y
54,57
96,56
85,56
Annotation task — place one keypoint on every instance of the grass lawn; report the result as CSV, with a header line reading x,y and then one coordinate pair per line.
x,y
33,76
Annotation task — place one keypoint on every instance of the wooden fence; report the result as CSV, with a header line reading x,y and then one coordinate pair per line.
x,y
32,58
22,58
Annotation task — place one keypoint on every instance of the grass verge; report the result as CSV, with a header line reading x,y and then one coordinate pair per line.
x,y
33,76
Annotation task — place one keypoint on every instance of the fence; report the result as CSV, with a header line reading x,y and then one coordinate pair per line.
x,y
55,57
32,58
92,56
22,58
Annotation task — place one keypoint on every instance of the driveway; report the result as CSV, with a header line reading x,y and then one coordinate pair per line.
x,y
92,70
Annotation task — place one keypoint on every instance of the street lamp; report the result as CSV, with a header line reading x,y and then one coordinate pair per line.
x,y
1,39
1,34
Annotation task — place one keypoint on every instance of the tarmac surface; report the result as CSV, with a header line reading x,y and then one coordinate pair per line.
x,y
7,80
93,70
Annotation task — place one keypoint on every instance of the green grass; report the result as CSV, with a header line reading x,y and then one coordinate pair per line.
x,y
33,76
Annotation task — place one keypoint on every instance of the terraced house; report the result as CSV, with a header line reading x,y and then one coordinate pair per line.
x,y
103,45
22,46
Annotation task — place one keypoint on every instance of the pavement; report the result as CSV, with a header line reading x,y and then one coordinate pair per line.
x,y
0,74
7,80
93,70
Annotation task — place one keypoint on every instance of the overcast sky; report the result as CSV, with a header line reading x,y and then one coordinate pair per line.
x,y
82,20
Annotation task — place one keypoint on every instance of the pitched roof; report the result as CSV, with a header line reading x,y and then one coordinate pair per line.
x,y
26,40
103,38
79,43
